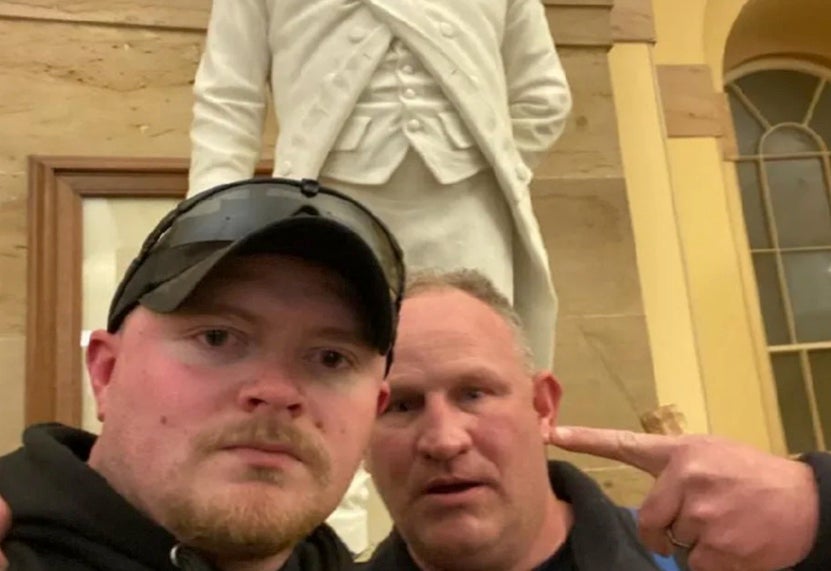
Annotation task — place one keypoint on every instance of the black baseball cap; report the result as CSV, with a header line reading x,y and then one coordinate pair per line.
x,y
298,218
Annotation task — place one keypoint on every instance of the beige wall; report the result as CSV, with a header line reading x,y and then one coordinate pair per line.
x,y
694,278
661,260
580,196
69,88
699,288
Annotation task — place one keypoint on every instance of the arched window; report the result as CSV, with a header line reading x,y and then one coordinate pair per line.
x,y
782,114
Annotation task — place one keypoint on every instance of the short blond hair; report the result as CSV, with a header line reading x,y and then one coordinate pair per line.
x,y
475,284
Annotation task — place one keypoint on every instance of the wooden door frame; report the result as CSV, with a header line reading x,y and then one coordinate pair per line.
x,y
57,187
54,296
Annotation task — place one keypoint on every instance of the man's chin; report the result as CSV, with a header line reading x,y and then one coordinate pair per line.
x,y
222,547
456,537
247,520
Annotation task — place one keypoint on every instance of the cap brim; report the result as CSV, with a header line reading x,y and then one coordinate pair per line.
x,y
312,238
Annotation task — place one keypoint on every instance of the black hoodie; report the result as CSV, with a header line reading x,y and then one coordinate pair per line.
x,y
66,517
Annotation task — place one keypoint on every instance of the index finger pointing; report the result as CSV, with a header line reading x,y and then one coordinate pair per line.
x,y
648,452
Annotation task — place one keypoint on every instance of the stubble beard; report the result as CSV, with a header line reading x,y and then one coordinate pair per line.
x,y
244,525
262,514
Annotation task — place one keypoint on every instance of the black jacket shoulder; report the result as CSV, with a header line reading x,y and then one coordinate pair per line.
x,y
820,557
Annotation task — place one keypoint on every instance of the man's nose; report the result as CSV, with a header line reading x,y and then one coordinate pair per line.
x,y
445,432
274,387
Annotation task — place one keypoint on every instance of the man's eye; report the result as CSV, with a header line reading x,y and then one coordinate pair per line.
x,y
401,406
215,337
332,359
473,394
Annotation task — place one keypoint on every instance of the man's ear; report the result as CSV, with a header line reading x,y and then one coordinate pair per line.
x,y
383,398
547,394
383,403
102,354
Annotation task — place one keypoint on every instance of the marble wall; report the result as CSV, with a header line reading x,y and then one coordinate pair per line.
x,y
88,78
602,357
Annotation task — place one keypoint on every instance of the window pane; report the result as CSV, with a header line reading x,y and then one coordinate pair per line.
x,y
770,297
789,140
748,129
793,403
800,202
780,95
821,120
754,210
809,283
821,373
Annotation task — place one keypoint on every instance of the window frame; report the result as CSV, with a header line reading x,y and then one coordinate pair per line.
x,y
802,349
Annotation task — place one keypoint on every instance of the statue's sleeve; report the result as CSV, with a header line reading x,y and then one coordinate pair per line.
x,y
539,98
230,94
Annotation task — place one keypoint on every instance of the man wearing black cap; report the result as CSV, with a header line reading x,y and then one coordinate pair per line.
x,y
237,382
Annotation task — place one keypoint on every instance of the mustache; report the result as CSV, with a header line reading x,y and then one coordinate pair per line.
x,y
265,431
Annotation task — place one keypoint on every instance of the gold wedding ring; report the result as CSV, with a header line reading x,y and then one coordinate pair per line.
x,y
674,540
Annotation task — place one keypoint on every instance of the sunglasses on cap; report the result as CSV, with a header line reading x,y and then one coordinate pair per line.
x,y
270,215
